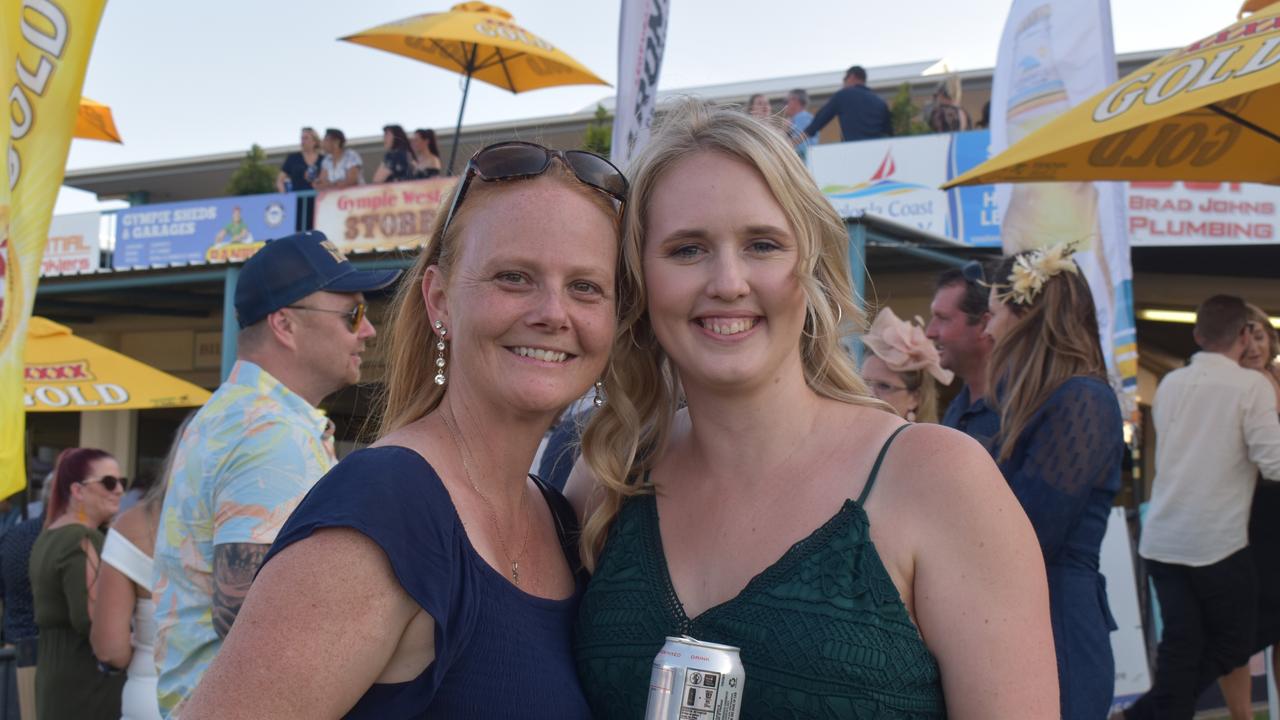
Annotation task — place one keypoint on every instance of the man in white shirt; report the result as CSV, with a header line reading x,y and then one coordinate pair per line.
x,y
1216,429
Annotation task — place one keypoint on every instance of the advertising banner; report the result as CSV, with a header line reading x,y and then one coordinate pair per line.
x,y
227,229
1055,54
381,217
73,245
44,52
642,39
1203,213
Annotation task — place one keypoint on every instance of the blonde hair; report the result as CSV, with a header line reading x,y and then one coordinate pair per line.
x,y
1052,339
623,438
410,392
1258,315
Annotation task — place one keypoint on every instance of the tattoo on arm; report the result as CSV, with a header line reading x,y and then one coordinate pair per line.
x,y
234,565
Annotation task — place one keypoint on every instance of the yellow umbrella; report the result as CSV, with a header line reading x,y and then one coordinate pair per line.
x,y
1252,6
481,41
1207,112
95,122
65,373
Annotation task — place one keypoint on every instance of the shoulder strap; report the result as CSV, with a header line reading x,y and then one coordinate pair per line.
x,y
566,521
875,469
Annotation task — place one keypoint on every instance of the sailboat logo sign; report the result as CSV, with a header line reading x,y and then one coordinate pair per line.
x,y
896,179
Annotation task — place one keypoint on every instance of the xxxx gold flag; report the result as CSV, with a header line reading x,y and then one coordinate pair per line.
x,y
44,51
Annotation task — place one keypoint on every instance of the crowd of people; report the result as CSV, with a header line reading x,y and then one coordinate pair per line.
x,y
327,163
735,475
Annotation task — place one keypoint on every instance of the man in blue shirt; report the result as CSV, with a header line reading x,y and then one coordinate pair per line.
x,y
957,325
797,111
863,115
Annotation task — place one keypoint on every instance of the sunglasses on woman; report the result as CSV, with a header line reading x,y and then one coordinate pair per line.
x,y
516,160
109,482
354,316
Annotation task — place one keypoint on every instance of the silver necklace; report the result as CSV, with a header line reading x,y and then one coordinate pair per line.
x,y
493,513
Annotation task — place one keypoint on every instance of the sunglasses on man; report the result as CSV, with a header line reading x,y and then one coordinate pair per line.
x,y
109,482
354,316
518,160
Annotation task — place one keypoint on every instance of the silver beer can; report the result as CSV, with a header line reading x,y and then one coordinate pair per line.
x,y
694,680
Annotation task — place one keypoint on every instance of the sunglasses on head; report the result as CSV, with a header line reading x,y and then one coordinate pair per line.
x,y
354,316
516,160
109,482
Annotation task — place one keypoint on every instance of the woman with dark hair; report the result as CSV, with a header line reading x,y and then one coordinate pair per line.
x,y
1060,446
64,565
124,629
426,154
462,566
397,163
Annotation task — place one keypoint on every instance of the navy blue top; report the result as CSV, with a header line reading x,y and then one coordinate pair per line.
x,y
300,173
863,115
1065,470
975,419
499,652
15,579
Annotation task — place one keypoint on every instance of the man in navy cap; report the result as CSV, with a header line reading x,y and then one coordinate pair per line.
x,y
254,450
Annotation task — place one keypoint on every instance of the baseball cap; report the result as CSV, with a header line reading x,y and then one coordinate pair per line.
x,y
291,268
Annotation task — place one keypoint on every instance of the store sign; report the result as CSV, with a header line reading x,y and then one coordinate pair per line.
x,y
73,246
381,217
216,230
1203,213
897,178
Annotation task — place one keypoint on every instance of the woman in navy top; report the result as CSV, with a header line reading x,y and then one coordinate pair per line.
x,y
1060,446
429,575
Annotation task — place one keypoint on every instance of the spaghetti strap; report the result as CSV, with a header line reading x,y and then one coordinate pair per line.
x,y
875,469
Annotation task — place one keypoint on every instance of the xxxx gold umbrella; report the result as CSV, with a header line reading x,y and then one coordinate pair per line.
x,y
1207,112
95,122
65,373
1251,6
481,41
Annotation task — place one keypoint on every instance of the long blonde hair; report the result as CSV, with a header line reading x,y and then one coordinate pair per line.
x,y
624,437
409,392
1052,339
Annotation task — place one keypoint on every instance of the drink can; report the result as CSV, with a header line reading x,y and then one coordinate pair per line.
x,y
695,680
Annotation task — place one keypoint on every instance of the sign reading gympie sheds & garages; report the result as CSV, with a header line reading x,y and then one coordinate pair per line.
x,y
202,231
381,217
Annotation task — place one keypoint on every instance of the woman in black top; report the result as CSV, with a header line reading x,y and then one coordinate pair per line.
x,y
301,167
397,163
426,154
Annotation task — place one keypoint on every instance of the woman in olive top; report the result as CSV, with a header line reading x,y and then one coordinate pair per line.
x,y
64,563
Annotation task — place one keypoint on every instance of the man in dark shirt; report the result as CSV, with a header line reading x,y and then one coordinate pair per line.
x,y
863,115
957,325
19,623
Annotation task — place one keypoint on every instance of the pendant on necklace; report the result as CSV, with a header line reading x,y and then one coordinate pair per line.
x,y
515,573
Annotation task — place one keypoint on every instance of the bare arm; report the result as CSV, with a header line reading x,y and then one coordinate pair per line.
x,y
234,565
280,178
298,649
980,594
112,615
352,177
381,174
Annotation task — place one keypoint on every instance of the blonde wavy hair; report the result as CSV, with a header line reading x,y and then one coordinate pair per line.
x,y
409,391
624,437
1259,316
1053,338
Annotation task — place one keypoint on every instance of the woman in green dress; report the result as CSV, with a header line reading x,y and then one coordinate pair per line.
x,y
64,563
744,488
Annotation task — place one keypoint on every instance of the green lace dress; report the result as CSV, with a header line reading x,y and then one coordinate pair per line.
x,y
823,631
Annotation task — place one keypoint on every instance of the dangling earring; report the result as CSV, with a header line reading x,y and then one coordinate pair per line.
x,y
440,363
911,416
599,399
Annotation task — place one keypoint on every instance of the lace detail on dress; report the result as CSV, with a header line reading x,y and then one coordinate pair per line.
x,y
823,631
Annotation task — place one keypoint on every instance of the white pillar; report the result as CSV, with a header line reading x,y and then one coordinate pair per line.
x,y
115,431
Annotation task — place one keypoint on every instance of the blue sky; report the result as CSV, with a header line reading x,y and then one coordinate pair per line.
x,y
191,78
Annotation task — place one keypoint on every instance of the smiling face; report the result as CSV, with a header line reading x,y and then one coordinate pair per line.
x,y
309,141
1258,352
720,273
961,345
529,302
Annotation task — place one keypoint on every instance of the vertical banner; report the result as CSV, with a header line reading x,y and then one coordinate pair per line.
x,y
642,39
44,52
1055,54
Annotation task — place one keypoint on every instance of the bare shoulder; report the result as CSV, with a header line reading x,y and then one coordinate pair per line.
x,y
135,526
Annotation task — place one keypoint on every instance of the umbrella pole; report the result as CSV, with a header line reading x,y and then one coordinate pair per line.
x,y
466,86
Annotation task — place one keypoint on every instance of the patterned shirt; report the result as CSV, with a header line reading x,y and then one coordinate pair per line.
x,y
244,463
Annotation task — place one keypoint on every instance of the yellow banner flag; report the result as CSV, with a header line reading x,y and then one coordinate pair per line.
x,y
44,52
